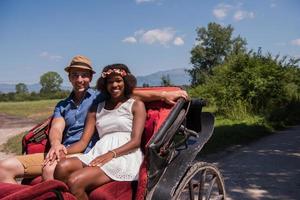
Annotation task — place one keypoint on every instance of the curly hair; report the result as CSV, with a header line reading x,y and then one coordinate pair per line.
x,y
129,79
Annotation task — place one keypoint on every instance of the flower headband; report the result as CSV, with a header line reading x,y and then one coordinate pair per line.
x,y
120,72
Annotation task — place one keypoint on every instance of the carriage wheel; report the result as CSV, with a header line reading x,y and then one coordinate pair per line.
x,y
203,181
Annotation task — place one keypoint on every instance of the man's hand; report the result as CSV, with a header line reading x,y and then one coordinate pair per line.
x,y
56,152
172,96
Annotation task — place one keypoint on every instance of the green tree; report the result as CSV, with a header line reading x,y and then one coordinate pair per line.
x,y
251,82
50,82
21,88
214,44
165,80
146,85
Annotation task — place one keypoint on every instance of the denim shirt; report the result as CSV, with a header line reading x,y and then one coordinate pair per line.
x,y
75,115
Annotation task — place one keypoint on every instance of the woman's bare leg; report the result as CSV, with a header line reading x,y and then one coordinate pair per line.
x,y
85,180
66,167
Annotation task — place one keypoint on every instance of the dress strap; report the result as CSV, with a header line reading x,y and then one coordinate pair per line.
x,y
129,103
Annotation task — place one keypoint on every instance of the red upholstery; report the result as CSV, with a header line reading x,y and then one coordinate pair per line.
x,y
114,190
8,189
36,140
39,191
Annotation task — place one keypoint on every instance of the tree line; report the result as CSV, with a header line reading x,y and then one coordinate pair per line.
x,y
50,89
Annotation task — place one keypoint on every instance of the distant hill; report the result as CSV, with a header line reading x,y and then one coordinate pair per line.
x,y
177,77
5,88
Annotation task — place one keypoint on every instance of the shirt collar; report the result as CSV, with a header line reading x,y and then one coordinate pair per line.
x,y
88,93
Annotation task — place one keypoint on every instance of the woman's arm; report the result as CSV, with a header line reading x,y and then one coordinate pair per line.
x,y
139,118
88,132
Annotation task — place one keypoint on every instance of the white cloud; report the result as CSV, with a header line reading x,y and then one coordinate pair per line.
x,y
164,36
161,36
178,41
143,1
49,56
221,11
242,14
296,42
129,40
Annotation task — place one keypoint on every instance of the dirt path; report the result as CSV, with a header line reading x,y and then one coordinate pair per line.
x,y
11,126
264,170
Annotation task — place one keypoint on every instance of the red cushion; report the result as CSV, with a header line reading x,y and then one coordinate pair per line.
x,y
39,191
7,189
114,190
36,140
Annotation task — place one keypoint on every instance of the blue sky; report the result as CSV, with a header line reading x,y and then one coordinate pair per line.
x,y
148,35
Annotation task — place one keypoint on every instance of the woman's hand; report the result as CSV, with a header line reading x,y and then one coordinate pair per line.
x,y
101,160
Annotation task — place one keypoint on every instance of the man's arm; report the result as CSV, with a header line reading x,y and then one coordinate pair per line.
x,y
169,97
55,138
88,132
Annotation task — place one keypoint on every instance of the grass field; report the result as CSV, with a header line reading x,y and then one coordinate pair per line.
x,y
227,132
35,110
236,132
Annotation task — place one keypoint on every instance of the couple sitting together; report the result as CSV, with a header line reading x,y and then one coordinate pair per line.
x,y
77,156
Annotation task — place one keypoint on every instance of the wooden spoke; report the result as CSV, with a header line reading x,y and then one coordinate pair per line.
x,y
210,188
201,187
191,191
202,181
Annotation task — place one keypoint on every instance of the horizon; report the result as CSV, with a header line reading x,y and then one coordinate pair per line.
x,y
148,79
147,35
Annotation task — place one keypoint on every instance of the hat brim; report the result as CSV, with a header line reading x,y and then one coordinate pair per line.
x,y
67,69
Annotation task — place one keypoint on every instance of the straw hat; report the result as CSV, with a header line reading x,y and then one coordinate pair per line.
x,y
81,62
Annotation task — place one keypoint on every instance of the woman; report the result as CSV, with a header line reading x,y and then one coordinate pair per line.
x,y
120,122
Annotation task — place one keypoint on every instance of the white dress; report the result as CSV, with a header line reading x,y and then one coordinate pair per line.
x,y
114,128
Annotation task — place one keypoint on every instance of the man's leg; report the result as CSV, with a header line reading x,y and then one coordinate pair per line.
x,y
9,169
21,166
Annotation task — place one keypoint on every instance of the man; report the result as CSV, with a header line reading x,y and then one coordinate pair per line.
x,y
68,123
